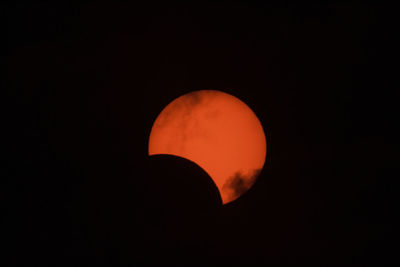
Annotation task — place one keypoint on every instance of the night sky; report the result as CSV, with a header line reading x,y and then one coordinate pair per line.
x,y
87,81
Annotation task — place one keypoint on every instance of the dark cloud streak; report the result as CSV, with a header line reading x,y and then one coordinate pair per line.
x,y
239,183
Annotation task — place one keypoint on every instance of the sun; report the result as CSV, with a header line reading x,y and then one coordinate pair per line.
x,y
218,132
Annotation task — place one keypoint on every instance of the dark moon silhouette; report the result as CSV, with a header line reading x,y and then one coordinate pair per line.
x,y
180,183
169,213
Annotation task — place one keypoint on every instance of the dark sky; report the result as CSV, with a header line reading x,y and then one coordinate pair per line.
x,y
87,81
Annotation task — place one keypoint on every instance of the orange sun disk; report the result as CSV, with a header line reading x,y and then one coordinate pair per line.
x,y
219,133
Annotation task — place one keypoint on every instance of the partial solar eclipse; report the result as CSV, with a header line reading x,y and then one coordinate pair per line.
x,y
218,132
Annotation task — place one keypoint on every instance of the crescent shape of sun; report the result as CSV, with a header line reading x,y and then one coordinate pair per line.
x,y
218,132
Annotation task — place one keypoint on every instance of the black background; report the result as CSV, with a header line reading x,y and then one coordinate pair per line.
x,y
87,81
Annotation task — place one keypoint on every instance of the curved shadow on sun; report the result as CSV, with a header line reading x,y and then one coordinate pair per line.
x,y
235,186
185,178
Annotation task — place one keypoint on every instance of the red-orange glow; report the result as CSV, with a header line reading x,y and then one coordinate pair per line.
x,y
219,133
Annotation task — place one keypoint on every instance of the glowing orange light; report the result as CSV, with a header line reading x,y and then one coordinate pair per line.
x,y
219,133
